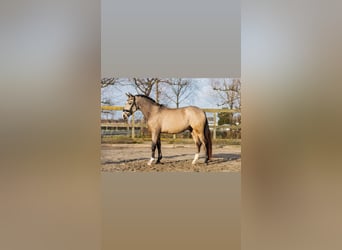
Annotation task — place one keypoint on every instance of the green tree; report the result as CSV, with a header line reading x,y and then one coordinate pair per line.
x,y
225,118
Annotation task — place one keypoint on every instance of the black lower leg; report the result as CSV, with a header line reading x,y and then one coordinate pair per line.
x,y
198,144
159,151
153,149
207,152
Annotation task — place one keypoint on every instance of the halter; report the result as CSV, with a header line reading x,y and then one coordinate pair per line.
x,y
130,110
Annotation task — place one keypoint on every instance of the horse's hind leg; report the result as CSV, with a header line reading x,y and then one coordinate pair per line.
x,y
198,144
159,150
205,143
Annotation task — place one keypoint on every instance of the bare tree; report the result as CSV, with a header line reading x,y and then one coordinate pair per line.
x,y
178,90
145,85
110,89
105,82
228,92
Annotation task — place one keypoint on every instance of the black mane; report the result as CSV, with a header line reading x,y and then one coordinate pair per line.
x,y
152,100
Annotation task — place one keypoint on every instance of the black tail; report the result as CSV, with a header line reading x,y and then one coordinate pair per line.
x,y
208,143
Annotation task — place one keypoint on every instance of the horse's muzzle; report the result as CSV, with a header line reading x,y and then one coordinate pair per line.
x,y
125,115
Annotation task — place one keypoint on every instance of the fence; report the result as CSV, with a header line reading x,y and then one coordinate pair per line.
x,y
124,128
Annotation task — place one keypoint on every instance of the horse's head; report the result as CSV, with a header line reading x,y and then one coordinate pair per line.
x,y
130,106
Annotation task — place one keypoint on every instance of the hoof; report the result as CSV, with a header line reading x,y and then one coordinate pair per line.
x,y
150,162
195,159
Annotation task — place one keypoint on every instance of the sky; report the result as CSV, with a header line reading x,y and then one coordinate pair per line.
x,y
202,96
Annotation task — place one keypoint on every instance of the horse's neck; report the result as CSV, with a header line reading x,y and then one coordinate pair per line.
x,y
147,108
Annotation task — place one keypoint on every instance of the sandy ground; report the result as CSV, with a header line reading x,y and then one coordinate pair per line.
x,y
176,158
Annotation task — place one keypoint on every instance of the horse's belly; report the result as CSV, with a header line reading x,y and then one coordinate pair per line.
x,y
174,128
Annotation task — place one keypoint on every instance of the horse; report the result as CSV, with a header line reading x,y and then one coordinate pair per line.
x,y
161,119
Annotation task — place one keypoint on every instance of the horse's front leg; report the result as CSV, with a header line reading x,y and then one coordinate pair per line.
x,y
155,136
159,150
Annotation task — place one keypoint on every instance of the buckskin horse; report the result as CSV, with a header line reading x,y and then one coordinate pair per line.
x,y
161,119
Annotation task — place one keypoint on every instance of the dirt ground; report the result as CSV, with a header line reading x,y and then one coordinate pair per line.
x,y
176,158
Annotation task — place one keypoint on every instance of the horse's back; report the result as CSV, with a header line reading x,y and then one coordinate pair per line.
x,y
191,113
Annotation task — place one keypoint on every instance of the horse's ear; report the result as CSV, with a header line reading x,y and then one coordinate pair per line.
x,y
128,95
